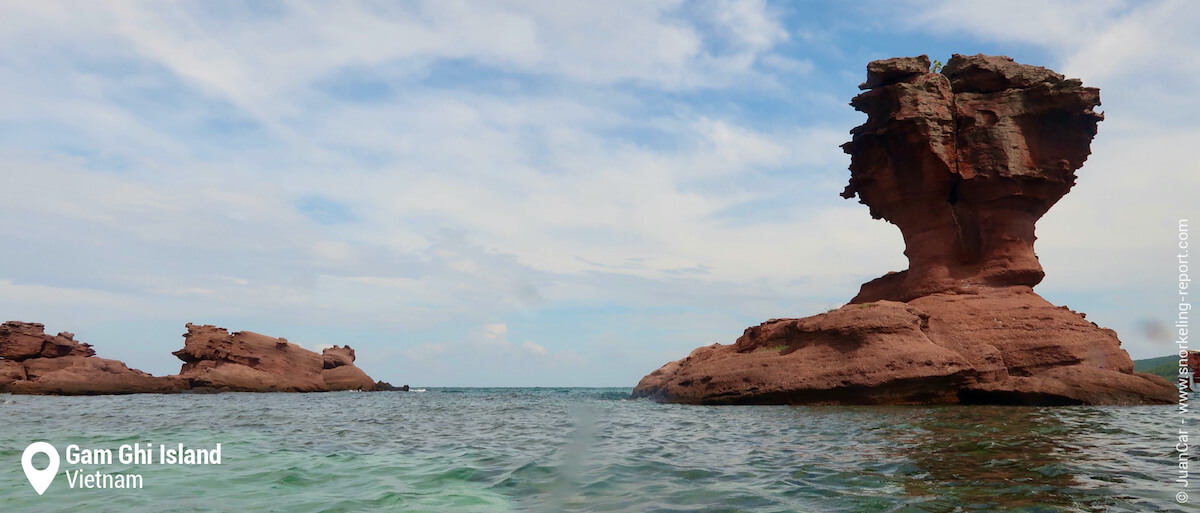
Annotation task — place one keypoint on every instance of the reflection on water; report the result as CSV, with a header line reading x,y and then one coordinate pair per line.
x,y
985,457
994,458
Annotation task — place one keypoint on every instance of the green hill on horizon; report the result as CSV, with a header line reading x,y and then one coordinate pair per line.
x,y
1165,366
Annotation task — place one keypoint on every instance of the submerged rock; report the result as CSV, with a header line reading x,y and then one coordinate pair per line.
x,y
964,162
384,386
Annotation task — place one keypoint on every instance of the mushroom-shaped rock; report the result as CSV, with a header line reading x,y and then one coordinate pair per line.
x,y
964,162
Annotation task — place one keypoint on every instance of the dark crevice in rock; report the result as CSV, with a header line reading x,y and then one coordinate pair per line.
x,y
1014,398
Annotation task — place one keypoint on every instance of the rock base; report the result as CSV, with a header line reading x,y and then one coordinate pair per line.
x,y
997,346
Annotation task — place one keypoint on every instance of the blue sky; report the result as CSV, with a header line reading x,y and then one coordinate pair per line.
x,y
528,193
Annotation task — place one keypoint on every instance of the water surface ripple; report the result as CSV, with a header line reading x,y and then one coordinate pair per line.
x,y
590,450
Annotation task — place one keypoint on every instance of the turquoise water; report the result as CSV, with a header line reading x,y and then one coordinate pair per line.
x,y
562,450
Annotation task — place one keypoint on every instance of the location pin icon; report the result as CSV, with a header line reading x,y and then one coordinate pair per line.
x,y
40,479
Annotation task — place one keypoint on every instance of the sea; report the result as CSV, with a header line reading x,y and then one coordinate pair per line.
x,y
449,450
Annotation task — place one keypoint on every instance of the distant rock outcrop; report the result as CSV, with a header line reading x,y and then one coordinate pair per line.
x,y
249,362
964,162
32,362
383,386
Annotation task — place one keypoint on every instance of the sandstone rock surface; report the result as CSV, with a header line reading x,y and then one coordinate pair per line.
x,y
32,362
249,362
21,341
340,373
964,162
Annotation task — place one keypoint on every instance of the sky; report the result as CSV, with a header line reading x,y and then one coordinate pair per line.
x,y
530,193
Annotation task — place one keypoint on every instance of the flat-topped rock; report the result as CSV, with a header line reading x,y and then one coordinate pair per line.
x,y
990,73
892,70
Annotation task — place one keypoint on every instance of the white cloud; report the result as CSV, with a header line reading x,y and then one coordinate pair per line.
x,y
494,340
540,182
50,295
1058,25
261,62
1118,39
534,348
495,331
428,354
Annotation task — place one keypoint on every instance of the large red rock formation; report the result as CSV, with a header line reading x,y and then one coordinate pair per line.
x,y
32,362
249,362
964,162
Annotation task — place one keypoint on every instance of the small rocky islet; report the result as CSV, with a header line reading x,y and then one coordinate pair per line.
x,y
214,360
964,161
